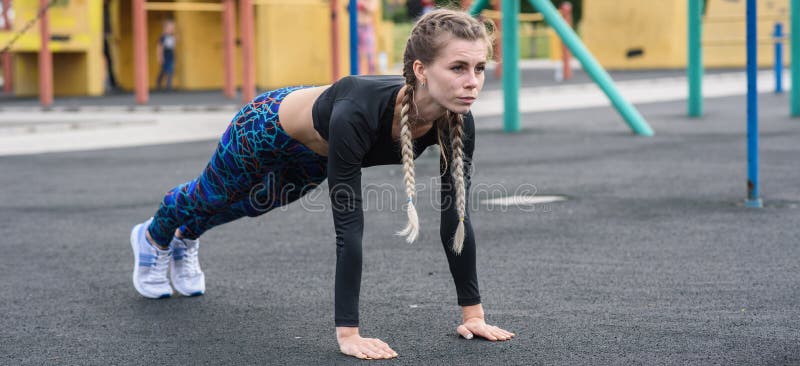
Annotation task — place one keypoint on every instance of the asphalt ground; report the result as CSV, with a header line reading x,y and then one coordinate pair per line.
x,y
651,260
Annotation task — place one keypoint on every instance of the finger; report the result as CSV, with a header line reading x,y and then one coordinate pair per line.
x,y
376,346
497,333
464,332
505,332
361,355
481,330
370,350
388,351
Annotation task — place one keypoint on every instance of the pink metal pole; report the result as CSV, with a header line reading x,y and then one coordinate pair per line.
x,y
45,59
8,75
140,51
335,38
566,12
498,50
248,57
228,15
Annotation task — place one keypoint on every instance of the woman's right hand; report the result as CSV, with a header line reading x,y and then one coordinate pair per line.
x,y
352,344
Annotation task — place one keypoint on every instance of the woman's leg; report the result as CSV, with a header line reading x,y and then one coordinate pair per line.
x,y
253,152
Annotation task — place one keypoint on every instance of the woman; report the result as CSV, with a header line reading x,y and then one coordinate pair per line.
x,y
269,157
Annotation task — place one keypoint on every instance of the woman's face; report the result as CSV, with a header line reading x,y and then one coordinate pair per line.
x,y
456,76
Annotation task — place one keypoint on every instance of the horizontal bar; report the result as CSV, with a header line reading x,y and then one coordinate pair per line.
x,y
293,2
523,17
741,18
734,42
163,6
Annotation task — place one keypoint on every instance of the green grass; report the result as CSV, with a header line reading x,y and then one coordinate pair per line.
x,y
401,32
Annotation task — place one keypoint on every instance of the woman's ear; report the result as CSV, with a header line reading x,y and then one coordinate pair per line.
x,y
419,71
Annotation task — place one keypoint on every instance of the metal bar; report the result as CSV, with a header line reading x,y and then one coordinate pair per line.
x,y
795,65
140,73
778,34
753,199
247,33
695,59
593,68
353,9
494,14
8,74
510,38
45,59
163,6
285,2
498,46
739,18
477,6
735,42
566,13
228,35
335,40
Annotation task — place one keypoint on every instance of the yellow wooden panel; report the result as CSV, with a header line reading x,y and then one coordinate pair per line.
x,y
616,30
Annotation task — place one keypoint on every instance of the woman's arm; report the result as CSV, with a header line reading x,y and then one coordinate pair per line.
x,y
462,266
349,138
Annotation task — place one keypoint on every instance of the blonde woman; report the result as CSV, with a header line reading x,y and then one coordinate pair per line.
x,y
288,141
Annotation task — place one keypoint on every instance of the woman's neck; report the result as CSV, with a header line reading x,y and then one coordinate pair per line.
x,y
422,112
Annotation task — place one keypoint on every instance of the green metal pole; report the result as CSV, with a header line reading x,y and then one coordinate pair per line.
x,y
592,67
695,61
477,7
795,44
510,23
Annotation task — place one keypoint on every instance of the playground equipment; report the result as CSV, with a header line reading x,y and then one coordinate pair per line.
x,y
728,49
271,32
206,56
753,198
695,73
65,41
510,10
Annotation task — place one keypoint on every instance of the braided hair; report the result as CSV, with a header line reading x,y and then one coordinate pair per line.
x,y
428,36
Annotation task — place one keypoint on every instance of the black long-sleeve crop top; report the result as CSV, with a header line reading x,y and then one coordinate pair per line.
x,y
355,116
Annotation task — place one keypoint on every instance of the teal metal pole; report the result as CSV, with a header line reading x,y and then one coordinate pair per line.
x,y
794,40
695,61
592,67
477,7
510,23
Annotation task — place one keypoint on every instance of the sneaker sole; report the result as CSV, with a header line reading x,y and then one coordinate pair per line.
x,y
178,289
136,266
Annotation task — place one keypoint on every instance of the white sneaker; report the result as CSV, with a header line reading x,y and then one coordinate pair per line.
x,y
184,267
150,265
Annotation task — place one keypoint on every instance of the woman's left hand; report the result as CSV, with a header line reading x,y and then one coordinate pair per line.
x,y
478,327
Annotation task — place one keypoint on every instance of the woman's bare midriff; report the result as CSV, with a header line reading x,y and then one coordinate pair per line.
x,y
296,119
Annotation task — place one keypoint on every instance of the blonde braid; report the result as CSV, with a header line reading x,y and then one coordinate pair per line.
x,y
456,133
411,231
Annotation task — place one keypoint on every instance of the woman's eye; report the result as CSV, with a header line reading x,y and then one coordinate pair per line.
x,y
457,68
480,69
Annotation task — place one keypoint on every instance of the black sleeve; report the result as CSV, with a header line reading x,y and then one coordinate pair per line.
x,y
462,266
349,138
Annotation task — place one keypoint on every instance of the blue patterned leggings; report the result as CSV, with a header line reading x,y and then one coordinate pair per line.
x,y
256,168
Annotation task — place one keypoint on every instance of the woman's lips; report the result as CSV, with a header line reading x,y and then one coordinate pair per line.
x,y
468,100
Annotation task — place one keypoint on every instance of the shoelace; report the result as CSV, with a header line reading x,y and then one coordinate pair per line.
x,y
160,266
191,266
